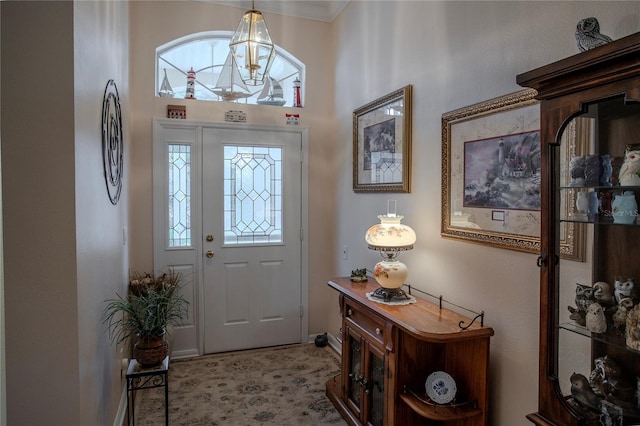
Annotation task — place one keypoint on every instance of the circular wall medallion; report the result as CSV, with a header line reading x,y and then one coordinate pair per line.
x,y
112,143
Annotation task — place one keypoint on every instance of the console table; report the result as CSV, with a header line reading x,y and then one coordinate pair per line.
x,y
139,378
388,351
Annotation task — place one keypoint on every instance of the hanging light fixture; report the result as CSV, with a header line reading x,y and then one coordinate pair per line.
x,y
252,48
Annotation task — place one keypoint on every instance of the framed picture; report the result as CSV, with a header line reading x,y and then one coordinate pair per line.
x,y
491,157
382,144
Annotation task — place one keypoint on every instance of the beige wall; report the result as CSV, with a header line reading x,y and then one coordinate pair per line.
x,y
158,22
455,54
63,251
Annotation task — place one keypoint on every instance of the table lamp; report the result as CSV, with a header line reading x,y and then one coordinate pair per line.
x,y
390,237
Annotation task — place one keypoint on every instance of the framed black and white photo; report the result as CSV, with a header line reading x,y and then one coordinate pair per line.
x,y
382,144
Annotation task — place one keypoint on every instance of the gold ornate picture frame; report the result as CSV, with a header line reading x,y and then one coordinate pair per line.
x,y
382,144
491,175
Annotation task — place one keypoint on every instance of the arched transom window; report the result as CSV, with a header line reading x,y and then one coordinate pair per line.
x,y
216,78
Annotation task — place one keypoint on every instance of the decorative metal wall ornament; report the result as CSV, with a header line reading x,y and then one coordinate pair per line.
x,y
112,142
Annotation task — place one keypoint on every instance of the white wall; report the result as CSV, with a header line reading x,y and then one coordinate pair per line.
x,y
101,53
455,54
63,252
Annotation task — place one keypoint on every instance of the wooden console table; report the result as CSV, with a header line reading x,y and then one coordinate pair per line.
x,y
388,351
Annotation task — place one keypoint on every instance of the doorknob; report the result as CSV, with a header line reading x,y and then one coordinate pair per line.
x,y
210,254
209,238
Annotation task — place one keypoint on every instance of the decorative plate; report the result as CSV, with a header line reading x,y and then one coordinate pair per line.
x,y
440,387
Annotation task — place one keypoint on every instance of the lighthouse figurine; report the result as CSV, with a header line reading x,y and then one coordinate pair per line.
x,y
191,82
297,101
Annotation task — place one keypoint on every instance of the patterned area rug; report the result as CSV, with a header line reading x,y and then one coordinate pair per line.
x,y
274,386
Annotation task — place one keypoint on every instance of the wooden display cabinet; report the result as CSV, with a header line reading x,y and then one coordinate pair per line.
x,y
589,107
388,351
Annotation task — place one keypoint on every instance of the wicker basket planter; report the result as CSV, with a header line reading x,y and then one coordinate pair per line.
x,y
151,352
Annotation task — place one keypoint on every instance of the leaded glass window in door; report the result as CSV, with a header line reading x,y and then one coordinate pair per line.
x,y
179,195
253,194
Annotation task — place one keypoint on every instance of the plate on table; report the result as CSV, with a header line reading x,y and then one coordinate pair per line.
x,y
440,387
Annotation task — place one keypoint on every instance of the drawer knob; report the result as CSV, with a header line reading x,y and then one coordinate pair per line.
x,y
349,312
378,331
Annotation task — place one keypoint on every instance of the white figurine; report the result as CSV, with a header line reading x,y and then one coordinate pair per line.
x,y
628,175
595,319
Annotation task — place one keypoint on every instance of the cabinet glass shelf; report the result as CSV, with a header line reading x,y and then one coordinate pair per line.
x,y
609,339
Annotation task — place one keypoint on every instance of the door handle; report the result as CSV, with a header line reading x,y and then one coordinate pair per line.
x,y
209,254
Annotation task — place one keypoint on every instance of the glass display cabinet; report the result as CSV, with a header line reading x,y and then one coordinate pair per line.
x,y
589,311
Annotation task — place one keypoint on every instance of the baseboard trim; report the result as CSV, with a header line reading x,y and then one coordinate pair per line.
x,y
121,415
188,353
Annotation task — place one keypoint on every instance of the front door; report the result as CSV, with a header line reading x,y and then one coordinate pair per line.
x,y
230,208
252,228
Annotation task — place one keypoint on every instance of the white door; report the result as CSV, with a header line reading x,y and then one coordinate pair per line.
x,y
230,212
251,219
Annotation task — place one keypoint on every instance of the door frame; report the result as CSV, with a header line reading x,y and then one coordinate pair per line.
x,y
187,347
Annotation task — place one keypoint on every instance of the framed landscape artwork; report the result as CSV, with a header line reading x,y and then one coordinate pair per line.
x,y
491,157
491,173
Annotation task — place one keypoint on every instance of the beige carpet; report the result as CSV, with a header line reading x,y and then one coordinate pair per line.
x,y
274,386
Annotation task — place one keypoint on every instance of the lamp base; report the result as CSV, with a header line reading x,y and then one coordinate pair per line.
x,y
388,294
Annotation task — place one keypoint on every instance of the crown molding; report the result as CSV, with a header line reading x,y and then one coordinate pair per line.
x,y
317,10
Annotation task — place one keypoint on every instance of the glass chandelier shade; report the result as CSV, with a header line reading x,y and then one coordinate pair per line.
x,y
252,48
390,237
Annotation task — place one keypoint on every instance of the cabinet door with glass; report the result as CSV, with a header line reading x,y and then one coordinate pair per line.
x,y
590,311
365,378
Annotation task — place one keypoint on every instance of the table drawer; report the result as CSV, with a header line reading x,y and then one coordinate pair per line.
x,y
370,323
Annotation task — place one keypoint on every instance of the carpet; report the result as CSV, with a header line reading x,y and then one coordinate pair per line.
x,y
284,385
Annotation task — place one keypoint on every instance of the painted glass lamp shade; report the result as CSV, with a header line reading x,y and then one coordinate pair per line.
x,y
390,237
252,48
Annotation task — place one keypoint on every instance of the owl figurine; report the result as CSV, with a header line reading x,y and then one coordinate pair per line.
x,y
584,297
620,315
632,333
588,34
582,392
628,175
594,319
603,294
623,288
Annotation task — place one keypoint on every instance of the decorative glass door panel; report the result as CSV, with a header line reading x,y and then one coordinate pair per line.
x,y
252,194
598,359
355,369
375,387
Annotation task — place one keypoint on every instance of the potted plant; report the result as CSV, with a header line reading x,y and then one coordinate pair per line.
x,y
153,304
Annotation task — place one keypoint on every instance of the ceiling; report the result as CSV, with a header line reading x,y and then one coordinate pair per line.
x,y
318,10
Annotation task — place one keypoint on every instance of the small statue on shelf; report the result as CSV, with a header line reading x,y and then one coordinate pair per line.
x,y
607,170
633,328
595,320
584,298
624,288
582,392
630,171
607,381
619,317
358,275
576,171
603,293
588,34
